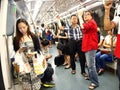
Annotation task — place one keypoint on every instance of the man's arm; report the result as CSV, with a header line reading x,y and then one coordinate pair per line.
x,y
108,25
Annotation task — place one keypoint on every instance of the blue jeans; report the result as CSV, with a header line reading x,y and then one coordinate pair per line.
x,y
90,58
101,58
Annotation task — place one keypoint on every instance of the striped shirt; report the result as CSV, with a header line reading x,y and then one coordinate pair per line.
x,y
75,33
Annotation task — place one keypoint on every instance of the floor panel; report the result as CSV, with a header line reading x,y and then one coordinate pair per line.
x,y
64,80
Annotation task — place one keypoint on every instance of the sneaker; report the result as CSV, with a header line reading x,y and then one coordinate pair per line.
x,y
48,84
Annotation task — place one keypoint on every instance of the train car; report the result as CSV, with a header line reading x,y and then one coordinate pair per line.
x,y
37,12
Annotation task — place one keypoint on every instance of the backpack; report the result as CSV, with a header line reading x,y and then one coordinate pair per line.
x,y
44,36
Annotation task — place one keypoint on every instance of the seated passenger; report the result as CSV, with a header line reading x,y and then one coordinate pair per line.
x,y
100,39
47,77
101,56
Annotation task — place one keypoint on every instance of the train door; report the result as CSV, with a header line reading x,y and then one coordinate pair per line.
x,y
6,32
1,75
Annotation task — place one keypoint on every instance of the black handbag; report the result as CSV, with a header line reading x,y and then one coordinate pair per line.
x,y
59,60
60,46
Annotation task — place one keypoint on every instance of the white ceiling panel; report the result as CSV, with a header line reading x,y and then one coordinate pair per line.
x,y
45,10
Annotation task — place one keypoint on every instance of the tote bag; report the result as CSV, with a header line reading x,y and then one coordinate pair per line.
x,y
40,64
22,63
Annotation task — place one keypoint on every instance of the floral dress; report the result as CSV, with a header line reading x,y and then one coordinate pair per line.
x,y
30,80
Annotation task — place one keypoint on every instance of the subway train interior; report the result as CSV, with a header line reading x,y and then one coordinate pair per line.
x,y
37,12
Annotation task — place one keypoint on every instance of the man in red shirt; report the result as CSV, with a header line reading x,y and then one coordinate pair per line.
x,y
109,25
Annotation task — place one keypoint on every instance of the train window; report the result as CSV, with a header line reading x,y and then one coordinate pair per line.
x,y
10,18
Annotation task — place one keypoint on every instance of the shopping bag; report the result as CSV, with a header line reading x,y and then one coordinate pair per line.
x,y
40,64
21,63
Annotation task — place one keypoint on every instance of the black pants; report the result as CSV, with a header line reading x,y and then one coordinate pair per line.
x,y
47,77
75,46
118,70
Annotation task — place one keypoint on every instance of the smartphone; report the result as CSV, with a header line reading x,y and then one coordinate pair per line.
x,y
23,45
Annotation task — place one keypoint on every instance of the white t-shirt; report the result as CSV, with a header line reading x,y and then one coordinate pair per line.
x,y
41,30
101,37
116,20
108,39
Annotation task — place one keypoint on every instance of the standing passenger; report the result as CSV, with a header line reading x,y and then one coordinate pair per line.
x,y
90,45
25,37
44,40
75,44
49,35
109,25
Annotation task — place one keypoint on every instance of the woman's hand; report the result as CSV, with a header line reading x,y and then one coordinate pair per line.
x,y
21,49
30,54
80,13
55,36
59,36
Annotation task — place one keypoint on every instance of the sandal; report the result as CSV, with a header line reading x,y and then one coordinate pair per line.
x,y
101,71
64,64
67,67
92,86
85,76
73,71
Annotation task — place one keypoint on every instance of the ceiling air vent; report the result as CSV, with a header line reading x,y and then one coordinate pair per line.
x,y
17,0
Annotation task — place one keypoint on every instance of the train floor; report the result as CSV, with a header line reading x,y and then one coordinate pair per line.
x,y
64,80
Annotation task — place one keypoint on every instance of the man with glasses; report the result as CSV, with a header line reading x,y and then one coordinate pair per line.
x,y
75,42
